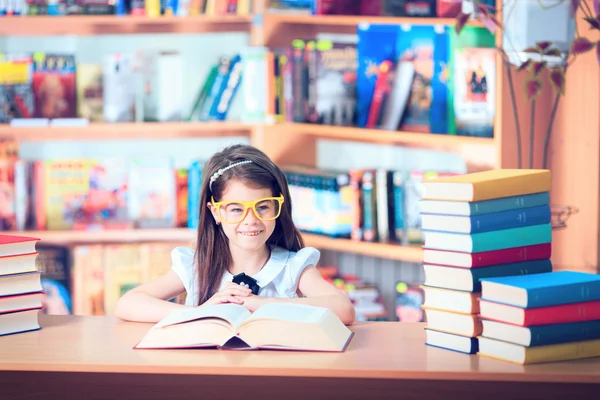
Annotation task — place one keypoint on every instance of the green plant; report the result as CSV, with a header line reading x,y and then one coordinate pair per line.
x,y
538,65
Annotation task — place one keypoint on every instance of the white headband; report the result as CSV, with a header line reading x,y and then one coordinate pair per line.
x,y
217,174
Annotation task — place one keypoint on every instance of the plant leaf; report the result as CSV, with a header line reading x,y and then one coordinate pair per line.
x,y
581,45
532,50
537,67
533,88
594,22
557,79
461,20
573,8
490,23
482,9
524,66
543,46
554,52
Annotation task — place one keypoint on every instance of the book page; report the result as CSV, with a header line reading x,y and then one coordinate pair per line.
x,y
289,312
232,313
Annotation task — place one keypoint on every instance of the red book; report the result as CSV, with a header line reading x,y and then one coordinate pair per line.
x,y
11,245
487,258
574,312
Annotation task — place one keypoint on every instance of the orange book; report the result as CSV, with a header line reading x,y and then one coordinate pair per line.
x,y
487,185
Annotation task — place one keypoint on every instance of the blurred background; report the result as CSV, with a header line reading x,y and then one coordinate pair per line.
x,y
109,109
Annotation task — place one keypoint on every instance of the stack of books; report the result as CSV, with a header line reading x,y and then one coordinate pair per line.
x,y
20,285
548,317
481,225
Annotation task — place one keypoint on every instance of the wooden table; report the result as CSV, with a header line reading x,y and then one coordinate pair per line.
x,y
92,358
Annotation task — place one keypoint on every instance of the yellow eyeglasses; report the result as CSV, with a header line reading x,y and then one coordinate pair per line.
x,y
234,211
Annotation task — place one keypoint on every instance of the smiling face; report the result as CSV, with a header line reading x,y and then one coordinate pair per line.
x,y
251,233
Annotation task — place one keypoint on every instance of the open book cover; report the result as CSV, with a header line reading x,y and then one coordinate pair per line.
x,y
231,326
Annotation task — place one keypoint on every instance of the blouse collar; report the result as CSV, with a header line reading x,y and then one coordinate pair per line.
x,y
277,261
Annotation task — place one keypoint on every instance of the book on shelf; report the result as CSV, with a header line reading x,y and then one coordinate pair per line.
x,y
231,326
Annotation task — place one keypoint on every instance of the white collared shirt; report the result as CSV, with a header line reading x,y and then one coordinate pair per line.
x,y
278,278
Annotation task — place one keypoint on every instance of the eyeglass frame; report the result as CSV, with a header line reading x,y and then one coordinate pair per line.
x,y
248,205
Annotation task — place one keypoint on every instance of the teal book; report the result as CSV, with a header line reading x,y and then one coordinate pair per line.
x,y
488,241
466,208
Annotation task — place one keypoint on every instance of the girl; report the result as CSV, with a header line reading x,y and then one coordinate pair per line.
x,y
249,229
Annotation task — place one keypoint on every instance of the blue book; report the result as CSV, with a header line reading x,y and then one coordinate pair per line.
x,y
469,279
194,188
487,222
541,335
473,208
487,241
542,290
450,341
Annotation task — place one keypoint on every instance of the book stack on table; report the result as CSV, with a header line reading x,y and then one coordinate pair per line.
x,y
539,318
481,225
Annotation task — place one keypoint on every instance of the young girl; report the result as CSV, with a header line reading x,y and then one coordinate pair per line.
x,y
246,227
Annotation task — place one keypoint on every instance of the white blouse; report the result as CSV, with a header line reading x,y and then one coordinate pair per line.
x,y
278,278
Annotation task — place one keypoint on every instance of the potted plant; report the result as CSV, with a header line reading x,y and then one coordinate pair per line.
x,y
550,57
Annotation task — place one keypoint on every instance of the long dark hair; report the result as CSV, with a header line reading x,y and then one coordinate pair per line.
x,y
212,246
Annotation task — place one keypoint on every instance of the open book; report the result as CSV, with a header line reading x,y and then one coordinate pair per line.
x,y
231,326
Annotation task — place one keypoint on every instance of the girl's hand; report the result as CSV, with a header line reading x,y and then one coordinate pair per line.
x,y
252,302
230,293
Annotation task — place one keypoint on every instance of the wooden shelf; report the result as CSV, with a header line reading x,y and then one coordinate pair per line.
x,y
355,20
428,140
69,237
478,152
113,25
382,250
121,131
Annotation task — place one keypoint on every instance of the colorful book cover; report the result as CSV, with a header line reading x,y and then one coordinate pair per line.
x,y
54,85
475,91
429,49
105,203
90,97
66,185
151,198
336,82
53,262
469,37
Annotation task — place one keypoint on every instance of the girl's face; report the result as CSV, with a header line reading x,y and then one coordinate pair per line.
x,y
250,233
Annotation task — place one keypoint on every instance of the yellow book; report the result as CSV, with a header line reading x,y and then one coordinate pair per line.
x,y
487,185
275,326
532,355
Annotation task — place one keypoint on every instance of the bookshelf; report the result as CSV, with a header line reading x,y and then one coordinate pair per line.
x,y
82,25
120,131
383,250
572,155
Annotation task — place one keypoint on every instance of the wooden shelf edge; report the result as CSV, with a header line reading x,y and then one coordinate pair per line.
x,y
119,131
353,20
479,153
382,136
183,235
117,25
388,251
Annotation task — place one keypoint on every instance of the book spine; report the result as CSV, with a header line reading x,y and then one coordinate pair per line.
x,y
507,238
521,268
563,294
511,219
564,313
509,203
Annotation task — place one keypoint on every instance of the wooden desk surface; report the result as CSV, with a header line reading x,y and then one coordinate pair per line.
x,y
384,350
